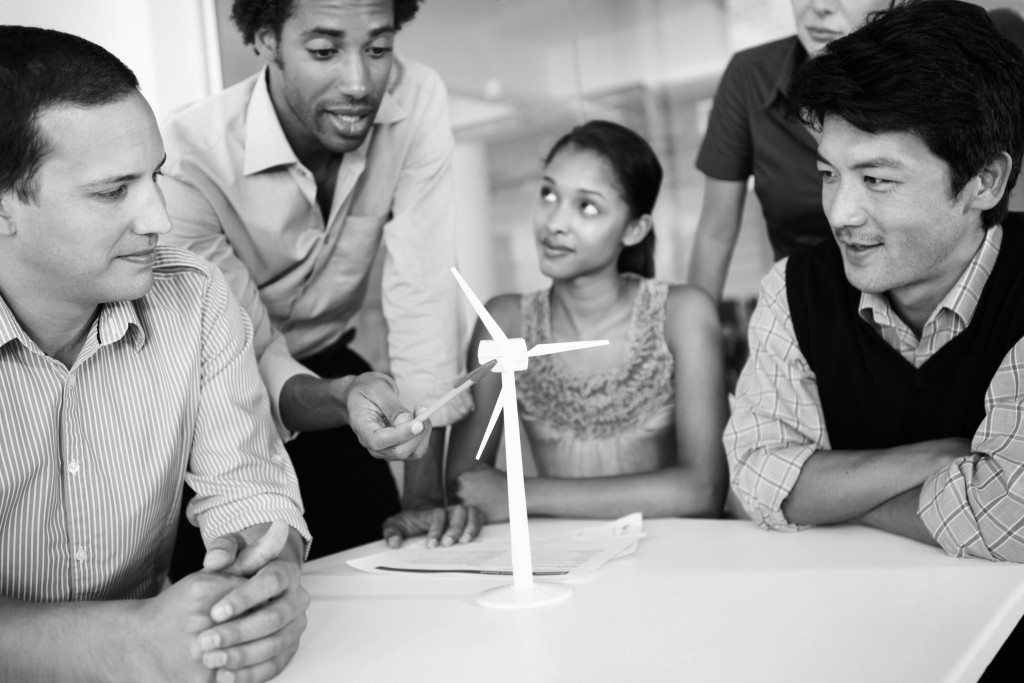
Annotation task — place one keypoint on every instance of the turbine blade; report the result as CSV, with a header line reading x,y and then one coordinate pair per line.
x,y
485,317
498,405
559,347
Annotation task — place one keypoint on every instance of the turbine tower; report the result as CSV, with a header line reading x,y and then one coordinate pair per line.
x,y
512,356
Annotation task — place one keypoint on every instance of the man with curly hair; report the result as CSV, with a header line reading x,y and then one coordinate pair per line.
x,y
290,181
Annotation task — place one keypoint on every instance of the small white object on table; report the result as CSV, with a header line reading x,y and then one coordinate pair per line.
x,y
700,600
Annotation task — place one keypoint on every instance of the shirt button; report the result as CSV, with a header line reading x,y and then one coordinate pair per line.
x,y
73,467
81,555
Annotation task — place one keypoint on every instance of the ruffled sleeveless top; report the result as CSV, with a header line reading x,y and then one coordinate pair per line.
x,y
619,421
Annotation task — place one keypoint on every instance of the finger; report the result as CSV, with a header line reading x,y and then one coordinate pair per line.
x,y
437,518
474,523
393,443
259,673
256,651
456,523
392,530
266,548
264,622
274,580
222,551
423,445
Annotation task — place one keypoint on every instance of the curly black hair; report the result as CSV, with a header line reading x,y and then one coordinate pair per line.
x,y
252,15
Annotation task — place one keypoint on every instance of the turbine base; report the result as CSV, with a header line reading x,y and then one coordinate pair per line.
x,y
509,597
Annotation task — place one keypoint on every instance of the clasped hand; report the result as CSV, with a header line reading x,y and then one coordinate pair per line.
x,y
239,619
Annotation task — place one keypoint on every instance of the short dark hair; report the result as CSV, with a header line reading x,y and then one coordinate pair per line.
x,y
252,15
637,173
41,69
938,69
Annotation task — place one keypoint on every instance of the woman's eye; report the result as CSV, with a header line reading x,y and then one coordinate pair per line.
x,y
588,209
547,195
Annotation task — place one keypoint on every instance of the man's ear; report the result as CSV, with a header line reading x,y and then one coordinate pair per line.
x,y
266,43
992,183
637,230
6,217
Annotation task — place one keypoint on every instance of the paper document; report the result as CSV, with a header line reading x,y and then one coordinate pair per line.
x,y
554,555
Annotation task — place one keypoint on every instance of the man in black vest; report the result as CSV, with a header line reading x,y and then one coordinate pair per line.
x,y
885,384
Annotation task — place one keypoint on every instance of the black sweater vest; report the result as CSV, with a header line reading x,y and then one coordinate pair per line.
x,y
873,398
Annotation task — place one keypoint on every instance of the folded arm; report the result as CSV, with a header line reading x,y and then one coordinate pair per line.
x,y
973,507
840,486
783,468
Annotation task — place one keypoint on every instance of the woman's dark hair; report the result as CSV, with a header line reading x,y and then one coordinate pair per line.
x,y
252,15
937,69
41,69
637,173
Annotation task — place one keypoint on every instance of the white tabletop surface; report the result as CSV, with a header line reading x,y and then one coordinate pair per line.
x,y
700,600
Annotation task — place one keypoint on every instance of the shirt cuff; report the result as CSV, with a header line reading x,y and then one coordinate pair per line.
x,y
944,508
233,518
763,490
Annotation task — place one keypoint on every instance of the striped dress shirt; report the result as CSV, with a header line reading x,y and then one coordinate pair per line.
x,y
92,458
973,508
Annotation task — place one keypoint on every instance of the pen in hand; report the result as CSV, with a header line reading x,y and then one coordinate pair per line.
x,y
463,383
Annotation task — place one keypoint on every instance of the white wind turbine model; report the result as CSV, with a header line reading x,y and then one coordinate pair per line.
x,y
511,356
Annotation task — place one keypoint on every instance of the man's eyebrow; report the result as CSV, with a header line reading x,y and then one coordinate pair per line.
x,y
126,178
873,162
339,33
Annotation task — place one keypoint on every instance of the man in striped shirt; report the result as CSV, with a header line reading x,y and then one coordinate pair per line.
x,y
125,369
886,379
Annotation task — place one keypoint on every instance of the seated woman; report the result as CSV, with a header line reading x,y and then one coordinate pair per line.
x,y
632,426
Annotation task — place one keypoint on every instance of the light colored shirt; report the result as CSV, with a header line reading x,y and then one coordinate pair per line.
x,y
92,459
239,196
777,422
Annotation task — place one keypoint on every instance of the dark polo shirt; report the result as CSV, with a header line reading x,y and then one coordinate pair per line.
x,y
749,134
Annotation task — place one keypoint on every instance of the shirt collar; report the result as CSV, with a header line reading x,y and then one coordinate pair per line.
x,y
266,145
9,327
120,319
115,321
794,55
962,299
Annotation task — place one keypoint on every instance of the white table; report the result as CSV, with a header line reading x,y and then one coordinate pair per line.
x,y
701,600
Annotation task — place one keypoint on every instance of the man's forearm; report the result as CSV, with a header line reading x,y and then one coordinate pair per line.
x,y
87,641
421,484
310,404
838,486
899,516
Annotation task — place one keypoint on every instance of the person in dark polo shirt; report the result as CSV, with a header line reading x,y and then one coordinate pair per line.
x,y
885,384
749,134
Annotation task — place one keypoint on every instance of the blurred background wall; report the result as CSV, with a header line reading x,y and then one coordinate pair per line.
x,y
520,73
